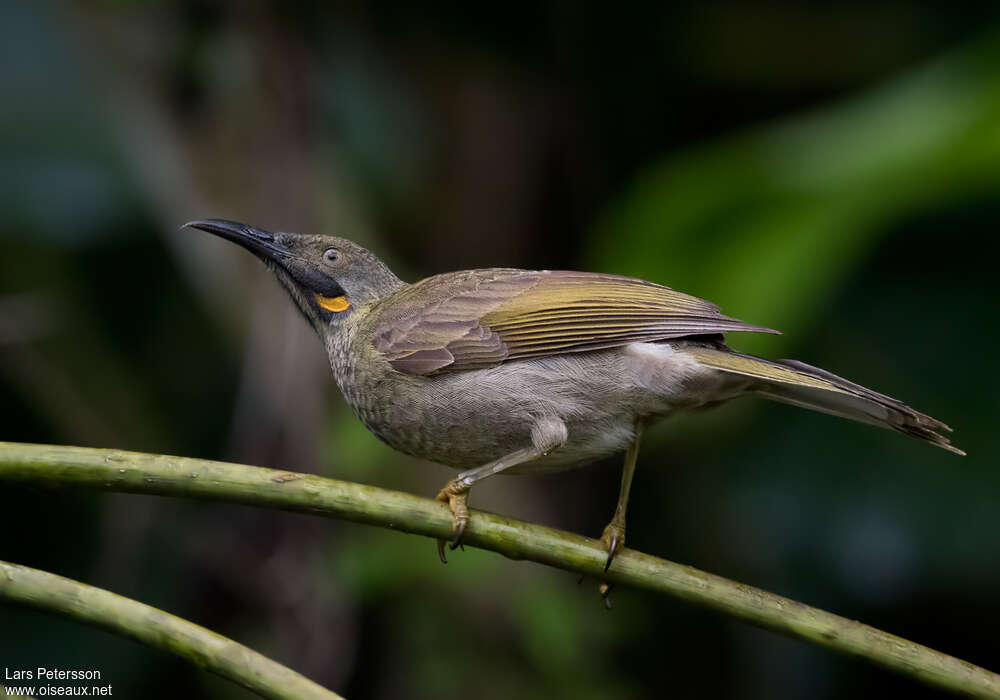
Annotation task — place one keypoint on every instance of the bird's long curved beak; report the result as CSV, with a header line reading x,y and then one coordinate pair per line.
x,y
259,242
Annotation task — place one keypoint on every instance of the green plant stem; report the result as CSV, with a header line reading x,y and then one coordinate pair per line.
x,y
114,470
128,618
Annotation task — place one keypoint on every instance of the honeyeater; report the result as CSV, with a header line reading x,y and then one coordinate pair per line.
x,y
518,371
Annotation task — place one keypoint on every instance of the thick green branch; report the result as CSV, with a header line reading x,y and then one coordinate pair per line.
x,y
112,470
156,628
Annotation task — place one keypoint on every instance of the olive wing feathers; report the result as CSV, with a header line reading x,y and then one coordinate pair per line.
x,y
480,318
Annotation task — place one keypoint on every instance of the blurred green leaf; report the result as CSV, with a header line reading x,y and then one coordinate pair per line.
x,y
769,222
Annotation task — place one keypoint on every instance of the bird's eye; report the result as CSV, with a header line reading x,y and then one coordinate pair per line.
x,y
333,256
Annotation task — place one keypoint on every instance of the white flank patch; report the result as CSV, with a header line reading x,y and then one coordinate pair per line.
x,y
660,367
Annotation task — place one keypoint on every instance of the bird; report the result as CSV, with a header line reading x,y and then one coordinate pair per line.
x,y
504,370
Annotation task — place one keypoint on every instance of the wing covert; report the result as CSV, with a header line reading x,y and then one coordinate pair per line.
x,y
480,318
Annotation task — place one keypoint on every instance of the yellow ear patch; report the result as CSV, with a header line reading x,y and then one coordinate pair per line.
x,y
334,304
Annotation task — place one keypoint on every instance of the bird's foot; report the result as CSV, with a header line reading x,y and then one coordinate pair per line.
x,y
456,495
604,588
613,538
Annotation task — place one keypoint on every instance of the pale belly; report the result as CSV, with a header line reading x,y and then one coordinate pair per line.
x,y
466,419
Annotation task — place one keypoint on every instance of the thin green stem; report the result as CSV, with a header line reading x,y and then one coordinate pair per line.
x,y
113,470
128,618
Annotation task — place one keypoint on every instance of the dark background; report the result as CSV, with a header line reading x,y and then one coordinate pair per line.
x,y
829,169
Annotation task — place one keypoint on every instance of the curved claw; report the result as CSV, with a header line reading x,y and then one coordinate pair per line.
x,y
612,550
613,538
459,531
454,495
454,544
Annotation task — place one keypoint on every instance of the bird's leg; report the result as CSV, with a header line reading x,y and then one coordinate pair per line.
x,y
456,493
546,436
613,536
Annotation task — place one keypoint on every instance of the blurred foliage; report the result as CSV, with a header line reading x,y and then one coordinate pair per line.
x,y
772,222
826,169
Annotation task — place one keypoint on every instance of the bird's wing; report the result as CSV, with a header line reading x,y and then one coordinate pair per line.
x,y
480,318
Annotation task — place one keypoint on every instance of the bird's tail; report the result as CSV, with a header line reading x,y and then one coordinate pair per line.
x,y
802,385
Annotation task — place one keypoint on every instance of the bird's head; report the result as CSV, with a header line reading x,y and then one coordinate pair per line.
x,y
327,276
